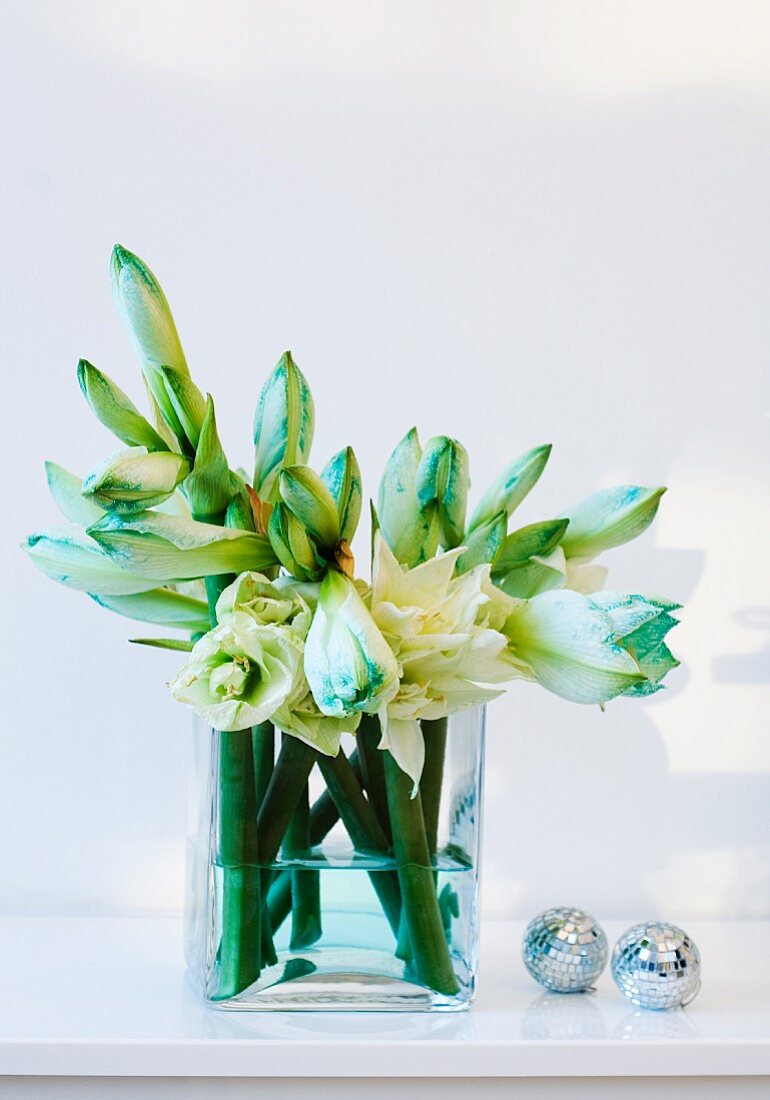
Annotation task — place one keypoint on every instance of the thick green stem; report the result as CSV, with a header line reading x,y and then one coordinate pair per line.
x,y
263,753
432,777
367,836
239,948
431,958
435,734
292,768
305,884
287,783
373,771
324,815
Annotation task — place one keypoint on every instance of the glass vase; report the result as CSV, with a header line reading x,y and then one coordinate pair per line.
x,y
370,900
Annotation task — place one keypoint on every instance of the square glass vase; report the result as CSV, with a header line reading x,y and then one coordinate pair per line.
x,y
370,902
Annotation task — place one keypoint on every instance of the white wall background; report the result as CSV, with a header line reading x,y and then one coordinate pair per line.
x,y
511,222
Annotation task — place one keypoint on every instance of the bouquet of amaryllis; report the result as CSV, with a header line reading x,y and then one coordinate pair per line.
x,y
289,651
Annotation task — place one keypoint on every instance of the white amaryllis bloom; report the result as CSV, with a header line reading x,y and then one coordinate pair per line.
x,y
240,672
440,629
283,618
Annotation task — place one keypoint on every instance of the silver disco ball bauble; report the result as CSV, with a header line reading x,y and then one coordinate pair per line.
x,y
565,950
656,965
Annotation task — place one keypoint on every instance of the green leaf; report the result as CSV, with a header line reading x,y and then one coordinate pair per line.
x,y
66,490
164,643
515,482
161,606
169,548
283,425
115,410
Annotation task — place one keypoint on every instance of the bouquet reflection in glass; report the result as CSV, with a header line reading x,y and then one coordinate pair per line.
x,y
327,871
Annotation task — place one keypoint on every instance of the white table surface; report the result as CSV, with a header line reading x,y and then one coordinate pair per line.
x,y
108,997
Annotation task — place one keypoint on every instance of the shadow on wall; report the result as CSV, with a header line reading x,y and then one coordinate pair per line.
x,y
595,817
746,668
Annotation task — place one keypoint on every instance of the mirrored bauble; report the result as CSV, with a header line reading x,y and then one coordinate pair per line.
x,y
656,965
565,950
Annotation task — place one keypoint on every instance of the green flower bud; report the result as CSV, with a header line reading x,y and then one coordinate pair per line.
x,y
170,548
411,531
507,493
442,478
145,312
135,479
641,623
348,664
342,476
483,543
189,407
283,425
292,545
115,410
67,491
210,486
610,518
567,643
307,497
68,556
530,561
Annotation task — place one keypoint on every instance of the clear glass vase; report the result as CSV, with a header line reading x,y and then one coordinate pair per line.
x,y
371,900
